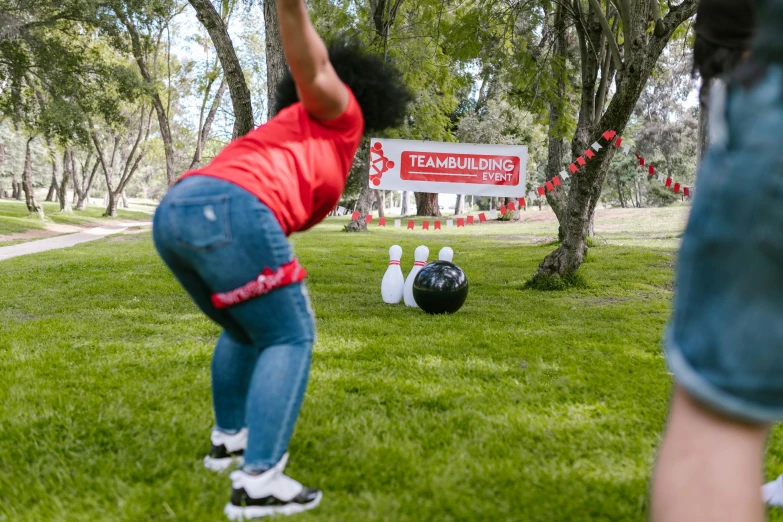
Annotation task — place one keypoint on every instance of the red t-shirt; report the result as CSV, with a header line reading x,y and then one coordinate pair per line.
x,y
296,165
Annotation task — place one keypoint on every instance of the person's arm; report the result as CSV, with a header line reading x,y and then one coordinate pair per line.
x,y
320,89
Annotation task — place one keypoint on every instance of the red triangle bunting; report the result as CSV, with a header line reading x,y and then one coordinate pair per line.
x,y
641,160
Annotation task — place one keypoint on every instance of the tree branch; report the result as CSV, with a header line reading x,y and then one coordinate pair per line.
x,y
607,73
618,61
204,133
135,146
625,14
101,157
676,16
232,70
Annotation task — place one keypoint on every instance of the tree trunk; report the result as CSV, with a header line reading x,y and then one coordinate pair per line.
x,y
111,206
458,204
366,198
56,173
16,189
160,110
379,199
165,134
62,189
356,226
557,199
638,193
366,195
81,203
205,128
232,70
594,199
569,255
275,59
427,204
52,194
27,183
124,198
406,199
620,191
641,52
83,192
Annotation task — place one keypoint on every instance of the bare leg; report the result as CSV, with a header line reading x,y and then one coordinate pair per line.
x,y
709,467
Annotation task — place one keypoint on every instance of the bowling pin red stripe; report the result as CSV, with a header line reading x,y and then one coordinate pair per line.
x,y
394,262
419,263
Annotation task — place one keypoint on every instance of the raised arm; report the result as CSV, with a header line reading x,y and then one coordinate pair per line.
x,y
320,89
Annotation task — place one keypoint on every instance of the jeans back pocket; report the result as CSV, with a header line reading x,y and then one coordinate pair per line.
x,y
201,223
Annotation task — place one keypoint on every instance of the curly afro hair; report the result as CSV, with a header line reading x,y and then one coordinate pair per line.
x,y
377,84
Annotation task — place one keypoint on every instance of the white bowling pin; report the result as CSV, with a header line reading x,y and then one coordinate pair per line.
x,y
446,254
420,256
393,282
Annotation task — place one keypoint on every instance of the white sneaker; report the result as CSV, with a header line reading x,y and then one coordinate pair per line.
x,y
772,492
270,493
226,450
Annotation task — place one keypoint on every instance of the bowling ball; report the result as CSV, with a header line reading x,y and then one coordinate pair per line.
x,y
440,288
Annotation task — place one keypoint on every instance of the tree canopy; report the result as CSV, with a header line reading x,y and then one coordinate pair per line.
x,y
551,75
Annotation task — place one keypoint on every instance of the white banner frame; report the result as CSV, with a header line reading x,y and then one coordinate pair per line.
x,y
409,165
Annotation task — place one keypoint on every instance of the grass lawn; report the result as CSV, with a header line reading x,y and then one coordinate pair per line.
x,y
523,406
14,217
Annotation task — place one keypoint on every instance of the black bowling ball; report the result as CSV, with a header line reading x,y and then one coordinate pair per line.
x,y
440,288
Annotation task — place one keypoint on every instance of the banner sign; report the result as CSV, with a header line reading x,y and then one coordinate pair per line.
x,y
451,168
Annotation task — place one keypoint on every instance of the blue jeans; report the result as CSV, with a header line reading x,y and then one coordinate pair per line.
x,y
215,237
725,341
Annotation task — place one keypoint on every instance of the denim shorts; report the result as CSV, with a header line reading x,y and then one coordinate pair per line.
x,y
725,342
215,237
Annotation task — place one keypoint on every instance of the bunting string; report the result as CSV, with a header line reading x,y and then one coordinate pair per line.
x,y
609,137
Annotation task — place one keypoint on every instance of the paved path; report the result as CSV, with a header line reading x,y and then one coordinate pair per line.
x,y
67,240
